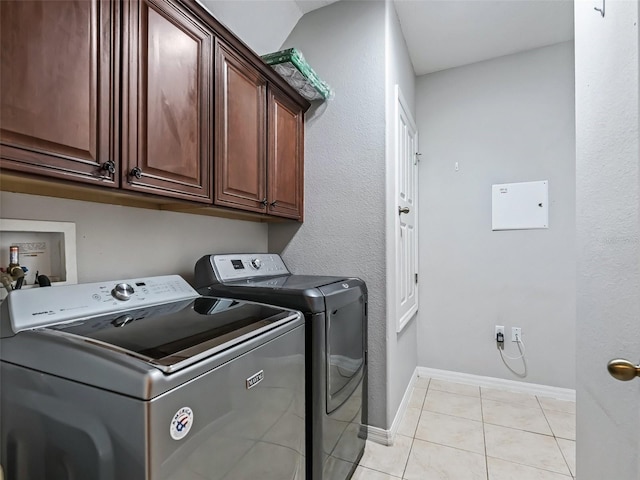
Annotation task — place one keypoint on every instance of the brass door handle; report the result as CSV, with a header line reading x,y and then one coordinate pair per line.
x,y
403,210
623,370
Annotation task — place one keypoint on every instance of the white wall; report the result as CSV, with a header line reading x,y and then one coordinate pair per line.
x,y
115,242
402,355
510,119
343,232
608,237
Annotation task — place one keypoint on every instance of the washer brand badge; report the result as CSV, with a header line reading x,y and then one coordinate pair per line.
x,y
255,379
345,285
181,423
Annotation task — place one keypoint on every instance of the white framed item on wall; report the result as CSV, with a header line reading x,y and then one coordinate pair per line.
x,y
520,206
39,248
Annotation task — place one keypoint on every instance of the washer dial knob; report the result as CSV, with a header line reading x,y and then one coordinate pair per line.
x,y
122,291
256,263
121,321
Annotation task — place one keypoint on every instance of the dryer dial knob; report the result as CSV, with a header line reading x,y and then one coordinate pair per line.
x,y
122,291
256,263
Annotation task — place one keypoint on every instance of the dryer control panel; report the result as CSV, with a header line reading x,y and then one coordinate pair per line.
x,y
230,267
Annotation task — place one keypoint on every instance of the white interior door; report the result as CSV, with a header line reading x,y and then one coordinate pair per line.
x,y
608,237
406,148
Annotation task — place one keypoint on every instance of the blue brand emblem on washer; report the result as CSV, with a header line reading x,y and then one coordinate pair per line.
x,y
181,423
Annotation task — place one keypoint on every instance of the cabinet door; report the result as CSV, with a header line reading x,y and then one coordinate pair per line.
x,y
59,91
166,112
286,157
240,140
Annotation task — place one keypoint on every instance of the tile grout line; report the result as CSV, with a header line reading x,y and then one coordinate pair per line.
x,y
455,393
413,439
406,463
522,430
380,471
484,437
555,438
535,467
448,446
535,433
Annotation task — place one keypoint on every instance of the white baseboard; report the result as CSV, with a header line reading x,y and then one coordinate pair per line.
x,y
379,435
499,383
386,437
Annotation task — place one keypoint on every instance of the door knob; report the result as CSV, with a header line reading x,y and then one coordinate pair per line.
x,y
623,370
403,210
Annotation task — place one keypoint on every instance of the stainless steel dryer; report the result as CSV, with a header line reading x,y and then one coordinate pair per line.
x,y
144,379
335,310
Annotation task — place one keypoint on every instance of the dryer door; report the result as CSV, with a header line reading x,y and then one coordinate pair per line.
x,y
346,324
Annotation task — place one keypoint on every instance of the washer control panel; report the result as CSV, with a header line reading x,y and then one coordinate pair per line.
x,y
247,265
39,307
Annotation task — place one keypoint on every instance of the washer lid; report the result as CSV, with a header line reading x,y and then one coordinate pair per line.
x,y
174,335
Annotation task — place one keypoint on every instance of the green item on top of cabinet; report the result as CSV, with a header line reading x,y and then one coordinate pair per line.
x,y
292,66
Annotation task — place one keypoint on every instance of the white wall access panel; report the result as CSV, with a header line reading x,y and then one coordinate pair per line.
x,y
520,206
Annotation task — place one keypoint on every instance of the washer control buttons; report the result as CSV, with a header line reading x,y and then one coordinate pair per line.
x,y
122,291
256,263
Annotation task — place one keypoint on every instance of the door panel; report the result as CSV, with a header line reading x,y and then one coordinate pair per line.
x,y
345,341
240,140
59,90
607,57
169,95
406,240
286,157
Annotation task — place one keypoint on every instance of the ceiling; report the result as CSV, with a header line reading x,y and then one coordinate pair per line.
x,y
264,25
440,34
443,34
306,6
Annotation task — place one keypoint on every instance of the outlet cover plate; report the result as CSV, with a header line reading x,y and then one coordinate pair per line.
x,y
516,331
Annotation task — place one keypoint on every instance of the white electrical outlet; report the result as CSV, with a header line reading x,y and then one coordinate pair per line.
x,y
499,329
516,334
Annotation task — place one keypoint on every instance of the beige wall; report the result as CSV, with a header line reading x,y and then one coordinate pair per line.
x,y
115,242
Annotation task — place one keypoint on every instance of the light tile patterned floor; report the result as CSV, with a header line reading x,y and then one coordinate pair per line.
x,y
452,431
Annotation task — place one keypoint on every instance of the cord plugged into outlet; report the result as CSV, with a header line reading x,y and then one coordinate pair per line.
x,y
499,336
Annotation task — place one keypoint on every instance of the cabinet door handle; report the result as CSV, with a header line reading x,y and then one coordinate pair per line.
x,y
264,203
274,203
109,166
136,172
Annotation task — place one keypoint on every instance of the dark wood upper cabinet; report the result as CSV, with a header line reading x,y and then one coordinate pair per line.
x,y
240,133
153,97
167,112
285,162
59,98
259,141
